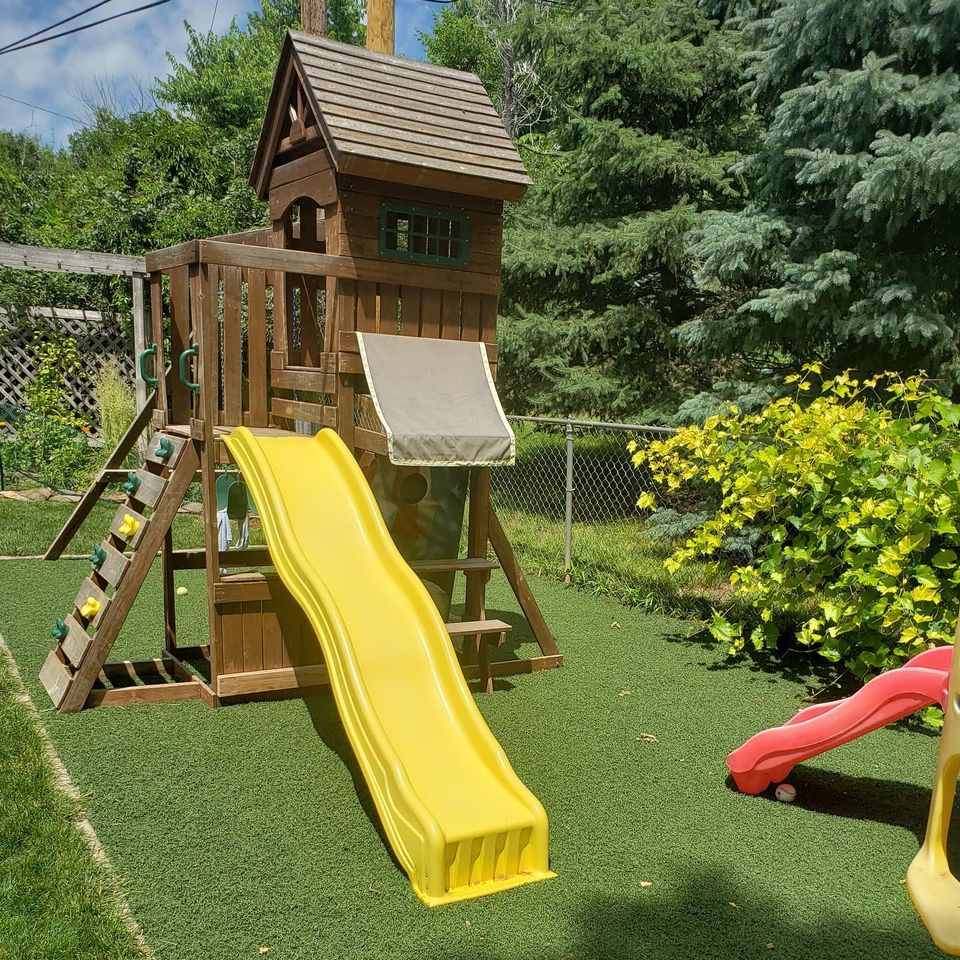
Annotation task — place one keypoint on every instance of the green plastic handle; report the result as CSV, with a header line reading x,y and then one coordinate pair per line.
x,y
164,448
60,630
151,351
98,556
191,351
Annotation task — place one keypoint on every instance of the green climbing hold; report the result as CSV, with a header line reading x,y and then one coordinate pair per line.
x,y
60,630
98,555
133,482
164,448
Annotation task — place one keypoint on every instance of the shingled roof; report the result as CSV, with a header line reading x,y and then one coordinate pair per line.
x,y
389,118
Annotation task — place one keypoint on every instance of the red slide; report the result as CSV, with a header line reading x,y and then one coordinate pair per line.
x,y
769,756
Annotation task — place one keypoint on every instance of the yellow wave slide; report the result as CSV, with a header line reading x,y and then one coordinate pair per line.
x,y
458,818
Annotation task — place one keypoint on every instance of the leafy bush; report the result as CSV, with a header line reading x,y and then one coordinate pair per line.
x,y
116,403
855,498
50,443
49,452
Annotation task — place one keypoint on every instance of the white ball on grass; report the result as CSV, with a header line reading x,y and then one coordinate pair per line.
x,y
786,793
182,591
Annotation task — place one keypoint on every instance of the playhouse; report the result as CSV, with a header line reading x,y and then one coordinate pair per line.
x,y
385,180
368,308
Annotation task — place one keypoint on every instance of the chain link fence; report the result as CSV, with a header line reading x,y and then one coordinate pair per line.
x,y
569,506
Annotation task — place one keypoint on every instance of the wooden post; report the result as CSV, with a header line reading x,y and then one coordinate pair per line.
x,y
206,328
478,533
313,17
140,339
380,26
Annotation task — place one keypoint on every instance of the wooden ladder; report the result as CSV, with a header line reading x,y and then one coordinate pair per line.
x,y
119,567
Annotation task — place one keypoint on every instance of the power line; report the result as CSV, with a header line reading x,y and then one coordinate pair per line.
x,y
86,26
35,106
53,26
214,17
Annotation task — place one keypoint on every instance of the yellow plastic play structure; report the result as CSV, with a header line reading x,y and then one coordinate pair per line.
x,y
457,816
933,887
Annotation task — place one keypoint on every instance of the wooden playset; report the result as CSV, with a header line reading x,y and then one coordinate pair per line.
x,y
385,180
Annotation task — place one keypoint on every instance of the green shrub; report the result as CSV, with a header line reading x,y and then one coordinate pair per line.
x,y
50,443
855,499
116,403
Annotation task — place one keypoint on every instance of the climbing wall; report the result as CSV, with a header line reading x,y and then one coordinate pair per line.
x,y
118,567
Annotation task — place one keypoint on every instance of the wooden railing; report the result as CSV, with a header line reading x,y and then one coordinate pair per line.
x,y
260,339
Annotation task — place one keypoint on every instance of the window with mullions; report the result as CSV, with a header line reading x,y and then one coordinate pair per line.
x,y
424,235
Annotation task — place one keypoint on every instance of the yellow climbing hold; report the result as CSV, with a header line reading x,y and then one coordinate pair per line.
x,y
91,608
129,526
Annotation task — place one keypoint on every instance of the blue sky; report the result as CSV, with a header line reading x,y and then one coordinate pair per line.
x,y
120,59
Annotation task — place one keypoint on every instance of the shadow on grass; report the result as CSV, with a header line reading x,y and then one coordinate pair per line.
x,y
816,673
716,915
837,794
326,721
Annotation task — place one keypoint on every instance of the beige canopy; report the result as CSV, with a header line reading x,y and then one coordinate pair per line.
x,y
436,400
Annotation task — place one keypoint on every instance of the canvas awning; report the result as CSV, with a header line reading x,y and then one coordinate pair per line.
x,y
436,401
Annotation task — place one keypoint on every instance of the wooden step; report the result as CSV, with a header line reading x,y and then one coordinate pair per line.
x,y
449,566
55,677
89,589
118,520
76,643
115,566
178,444
149,489
474,628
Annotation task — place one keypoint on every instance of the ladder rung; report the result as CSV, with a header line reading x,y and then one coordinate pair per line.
x,y
87,590
55,677
118,521
76,642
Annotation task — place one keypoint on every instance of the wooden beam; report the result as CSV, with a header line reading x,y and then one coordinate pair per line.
x,y
179,256
148,693
349,344
196,559
510,668
313,17
268,681
90,498
380,26
521,589
20,256
140,338
349,268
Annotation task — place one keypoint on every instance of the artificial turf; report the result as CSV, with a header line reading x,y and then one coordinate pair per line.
x,y
249,827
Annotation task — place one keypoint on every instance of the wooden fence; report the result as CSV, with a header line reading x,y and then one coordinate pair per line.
x,y
99,337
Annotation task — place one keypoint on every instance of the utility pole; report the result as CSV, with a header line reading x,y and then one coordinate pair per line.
x,y
380,25
313,17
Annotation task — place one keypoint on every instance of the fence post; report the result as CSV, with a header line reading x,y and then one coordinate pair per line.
x,y
568,507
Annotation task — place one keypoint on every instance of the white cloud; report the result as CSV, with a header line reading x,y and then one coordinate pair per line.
x,y
124,56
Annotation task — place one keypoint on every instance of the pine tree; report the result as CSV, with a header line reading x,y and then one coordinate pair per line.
x,y
847,250
642,120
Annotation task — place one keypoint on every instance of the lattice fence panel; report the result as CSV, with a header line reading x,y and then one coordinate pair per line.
x,y
99,337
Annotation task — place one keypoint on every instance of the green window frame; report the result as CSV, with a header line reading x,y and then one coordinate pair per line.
x,y
424,234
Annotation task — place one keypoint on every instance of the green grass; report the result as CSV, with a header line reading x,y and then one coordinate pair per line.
x,y
250,826
27,528
55,901
615,558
